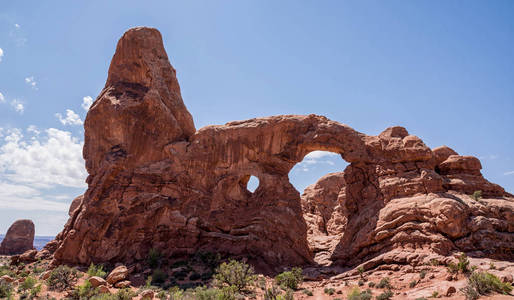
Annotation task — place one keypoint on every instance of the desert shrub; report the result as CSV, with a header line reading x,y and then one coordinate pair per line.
x,y
385,295
422,274
94,270
483,283
384,283
477,195
6,290
361,272
158,277
307,292
435,294
162,295
453,268
272,293
421,298
61,278
5,270
413,283
463,264
329,291
434,262
356,294
492,266
371,284
290,279
28,284
83,291
154,258
123,294
235,273
361,282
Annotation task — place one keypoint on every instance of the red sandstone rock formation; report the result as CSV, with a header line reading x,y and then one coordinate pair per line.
x,y
19,238
155,182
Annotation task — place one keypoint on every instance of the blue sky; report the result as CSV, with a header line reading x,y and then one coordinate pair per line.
x,y
442,69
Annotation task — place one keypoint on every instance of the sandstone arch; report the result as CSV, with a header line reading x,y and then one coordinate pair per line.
x,y
155,182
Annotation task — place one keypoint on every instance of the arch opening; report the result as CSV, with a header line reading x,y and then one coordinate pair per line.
x,y
315,165
251,183
320,178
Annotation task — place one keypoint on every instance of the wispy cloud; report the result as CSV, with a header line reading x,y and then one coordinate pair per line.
x,y
17,25
18,106
31,82
87,102
1,54
508,173
2,98
71,118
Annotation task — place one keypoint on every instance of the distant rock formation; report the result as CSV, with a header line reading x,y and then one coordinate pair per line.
x,y
19,238
156,182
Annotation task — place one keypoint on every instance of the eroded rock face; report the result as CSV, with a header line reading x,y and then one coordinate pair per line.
x,y
19,238
155,182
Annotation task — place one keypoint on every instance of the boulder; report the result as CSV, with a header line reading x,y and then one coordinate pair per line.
x,y
97,281
147,294
122,284
118,274
19,238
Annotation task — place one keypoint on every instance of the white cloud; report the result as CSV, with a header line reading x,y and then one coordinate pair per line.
x,y
33,129
17,25
508,173
87,102
1,54
54,159
30,81
71,118
18,106
2,98
317,157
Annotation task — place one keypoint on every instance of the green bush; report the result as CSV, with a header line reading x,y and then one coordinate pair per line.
x,y
329,291
361,272
356,294
371,284
290,279
477,195
413,283
123,294
422,274
307,292
235,273
28,284
463,264
6,290
61,278
384,283
385,295
96,271
483,283
84,291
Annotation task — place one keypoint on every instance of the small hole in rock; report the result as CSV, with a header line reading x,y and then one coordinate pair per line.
x,y
253,184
